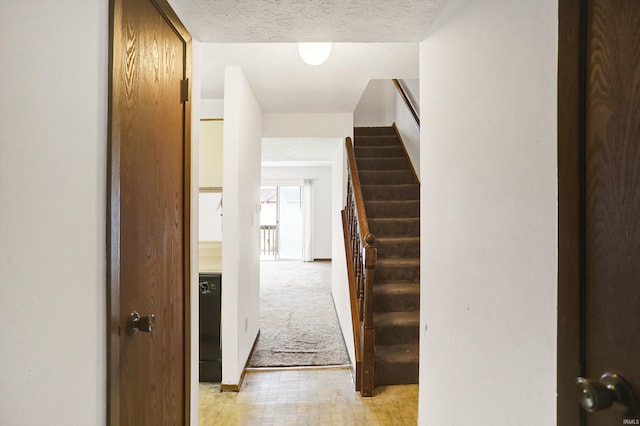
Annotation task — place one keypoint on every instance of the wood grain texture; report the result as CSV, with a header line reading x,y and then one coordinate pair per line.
x,y
363,225
571,95
612,295
599,198
149,170
362,253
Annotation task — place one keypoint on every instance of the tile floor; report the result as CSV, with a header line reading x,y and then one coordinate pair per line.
x,y
307,396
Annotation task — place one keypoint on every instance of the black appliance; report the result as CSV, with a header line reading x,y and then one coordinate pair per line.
x,y
210,352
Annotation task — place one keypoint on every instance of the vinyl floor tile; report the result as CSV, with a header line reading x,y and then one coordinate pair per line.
x,y
307,396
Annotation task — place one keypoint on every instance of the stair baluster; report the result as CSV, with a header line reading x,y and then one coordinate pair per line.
x,y
361,254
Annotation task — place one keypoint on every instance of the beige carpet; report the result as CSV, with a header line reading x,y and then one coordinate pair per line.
x,y
298,321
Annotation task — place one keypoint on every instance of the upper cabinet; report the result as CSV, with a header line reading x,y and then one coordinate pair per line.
x,y
211,153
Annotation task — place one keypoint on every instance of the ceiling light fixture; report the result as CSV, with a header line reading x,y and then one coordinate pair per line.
x,y
314,53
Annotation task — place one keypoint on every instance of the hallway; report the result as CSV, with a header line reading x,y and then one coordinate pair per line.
x,y
306,396
298,322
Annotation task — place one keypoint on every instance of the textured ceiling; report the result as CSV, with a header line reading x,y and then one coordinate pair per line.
x,y
277,21
373,39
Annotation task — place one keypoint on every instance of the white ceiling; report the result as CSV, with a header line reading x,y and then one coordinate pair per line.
x,y
373,39
278,21
283,83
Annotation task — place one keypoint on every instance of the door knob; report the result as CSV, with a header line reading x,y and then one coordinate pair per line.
x,y
611,390
137,323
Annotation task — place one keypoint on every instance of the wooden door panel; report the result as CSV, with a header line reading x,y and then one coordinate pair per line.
x,y
149,172
599,200
612,195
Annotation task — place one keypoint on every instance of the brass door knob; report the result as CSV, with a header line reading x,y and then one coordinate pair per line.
x,y
610,391
137,323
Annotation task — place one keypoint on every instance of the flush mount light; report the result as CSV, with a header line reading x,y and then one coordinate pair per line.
x,y
314,53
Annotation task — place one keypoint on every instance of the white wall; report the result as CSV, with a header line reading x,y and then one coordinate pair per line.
x,y
408,131
322,198
376,106
381,105
339,279
53,138
282,125
241,224
489,262
211,108
412,89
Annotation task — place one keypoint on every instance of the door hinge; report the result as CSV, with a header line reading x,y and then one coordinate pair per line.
x,y
184,90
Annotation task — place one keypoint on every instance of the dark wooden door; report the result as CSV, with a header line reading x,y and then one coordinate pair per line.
x,y
599,190
612,197
149,218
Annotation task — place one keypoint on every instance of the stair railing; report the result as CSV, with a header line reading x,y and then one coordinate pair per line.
x,y
407,102
361,256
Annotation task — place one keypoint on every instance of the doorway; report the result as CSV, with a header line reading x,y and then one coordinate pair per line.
x,y
281,222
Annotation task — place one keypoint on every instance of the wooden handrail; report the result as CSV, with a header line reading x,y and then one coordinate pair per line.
x,y
357,191
367,239
361,256
407,102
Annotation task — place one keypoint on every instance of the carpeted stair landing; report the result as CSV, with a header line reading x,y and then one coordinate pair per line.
x,y
392,202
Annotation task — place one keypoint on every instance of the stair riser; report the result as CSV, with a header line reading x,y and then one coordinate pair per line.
x,y
379,152
398,249
397,334
388,177
392,273
396,373
373,131
382,164
390,192
387,140
396,302
392,209
395,228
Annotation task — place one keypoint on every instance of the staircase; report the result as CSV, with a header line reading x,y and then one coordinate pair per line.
x,y
391,195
